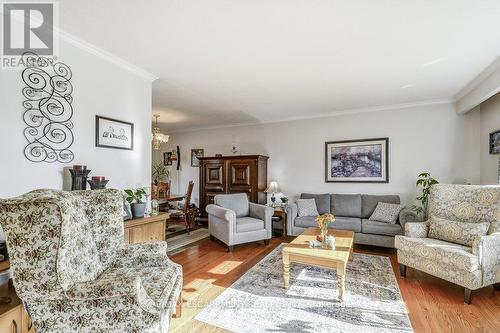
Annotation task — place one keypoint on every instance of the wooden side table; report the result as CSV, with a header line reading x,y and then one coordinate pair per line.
x,y
281,212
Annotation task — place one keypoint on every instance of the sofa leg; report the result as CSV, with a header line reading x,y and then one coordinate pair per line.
x,y
178,307
230,248
402,270
266,242
467,295
212,237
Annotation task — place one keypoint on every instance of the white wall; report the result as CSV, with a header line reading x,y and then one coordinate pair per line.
x,y
490,121
100,88
426,138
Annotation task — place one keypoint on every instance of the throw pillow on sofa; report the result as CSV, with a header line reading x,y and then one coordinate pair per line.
x,y
456,232
386,212
307,207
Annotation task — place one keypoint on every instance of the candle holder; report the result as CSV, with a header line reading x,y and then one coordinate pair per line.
x,y
97,184
79,176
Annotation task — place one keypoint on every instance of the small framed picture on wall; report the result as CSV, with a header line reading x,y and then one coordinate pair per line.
x,y
167,158
495,142
195,154
113,133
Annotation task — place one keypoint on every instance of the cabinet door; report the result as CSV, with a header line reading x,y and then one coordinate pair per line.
x,y
148,232
240,176
27,323
11,321
127,234
214,176
210,198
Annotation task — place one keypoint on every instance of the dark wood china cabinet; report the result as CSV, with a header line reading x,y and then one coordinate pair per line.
x,y
232,174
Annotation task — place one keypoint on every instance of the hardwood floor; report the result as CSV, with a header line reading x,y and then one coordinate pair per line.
x,y
434,305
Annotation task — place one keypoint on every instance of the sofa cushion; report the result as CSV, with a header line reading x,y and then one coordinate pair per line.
x,y
347,223
451,254
380,228
370,202
236,202
322,201
346,205
307,207
386,212
244,224
305,221
457,232
158,283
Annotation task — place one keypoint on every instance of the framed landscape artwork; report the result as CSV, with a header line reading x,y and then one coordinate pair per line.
x,y
495,142
357,161
195,153
112,133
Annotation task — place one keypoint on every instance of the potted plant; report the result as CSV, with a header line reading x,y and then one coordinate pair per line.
x,y
284,200
134,198
425,181
159,173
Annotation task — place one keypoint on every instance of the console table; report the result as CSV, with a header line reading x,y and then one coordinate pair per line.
x,y
145,229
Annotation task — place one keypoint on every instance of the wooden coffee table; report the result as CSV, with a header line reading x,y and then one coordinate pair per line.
x,y
298,251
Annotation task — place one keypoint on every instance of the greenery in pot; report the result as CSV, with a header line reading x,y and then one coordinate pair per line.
x,y
425,181
160,173
284,199
134,198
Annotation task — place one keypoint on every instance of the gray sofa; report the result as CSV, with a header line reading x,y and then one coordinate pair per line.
x,y
352,212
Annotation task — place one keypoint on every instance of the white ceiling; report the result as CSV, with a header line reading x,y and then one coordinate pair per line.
x,y
222,62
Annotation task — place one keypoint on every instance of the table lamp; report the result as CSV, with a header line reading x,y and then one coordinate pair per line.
x,y
273,188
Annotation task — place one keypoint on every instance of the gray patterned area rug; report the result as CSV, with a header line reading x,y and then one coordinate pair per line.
x,y
257,302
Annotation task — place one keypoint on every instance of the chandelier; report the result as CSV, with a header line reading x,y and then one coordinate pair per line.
x,y
158,137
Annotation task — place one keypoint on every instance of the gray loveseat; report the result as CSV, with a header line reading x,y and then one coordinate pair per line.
x,y
352,212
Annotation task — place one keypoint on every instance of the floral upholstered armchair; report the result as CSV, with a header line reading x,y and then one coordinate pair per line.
x,y
74,273
460,242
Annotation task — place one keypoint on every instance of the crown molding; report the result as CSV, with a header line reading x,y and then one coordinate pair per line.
x,y
482,87
488,71
97,51
336,113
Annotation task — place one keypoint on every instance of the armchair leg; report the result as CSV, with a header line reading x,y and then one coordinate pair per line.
x,y
212,237
467,295
230,248
496,286
402,270
178,307
266,242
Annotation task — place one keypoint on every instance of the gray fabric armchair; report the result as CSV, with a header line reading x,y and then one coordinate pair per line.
x,y
234,220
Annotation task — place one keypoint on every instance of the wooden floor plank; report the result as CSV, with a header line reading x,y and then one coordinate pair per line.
x,y
434,305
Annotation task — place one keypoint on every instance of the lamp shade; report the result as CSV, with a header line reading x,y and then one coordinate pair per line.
x,y
273,187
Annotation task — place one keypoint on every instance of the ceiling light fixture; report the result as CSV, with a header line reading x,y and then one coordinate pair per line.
x,y
158,137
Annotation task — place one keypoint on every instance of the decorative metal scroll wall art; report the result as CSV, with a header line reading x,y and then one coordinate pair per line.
x,y
48,110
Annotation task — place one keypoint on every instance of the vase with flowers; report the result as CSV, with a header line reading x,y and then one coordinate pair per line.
x,y
324,222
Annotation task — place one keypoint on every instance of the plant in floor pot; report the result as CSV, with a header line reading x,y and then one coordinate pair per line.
x,y
425,181
134,198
